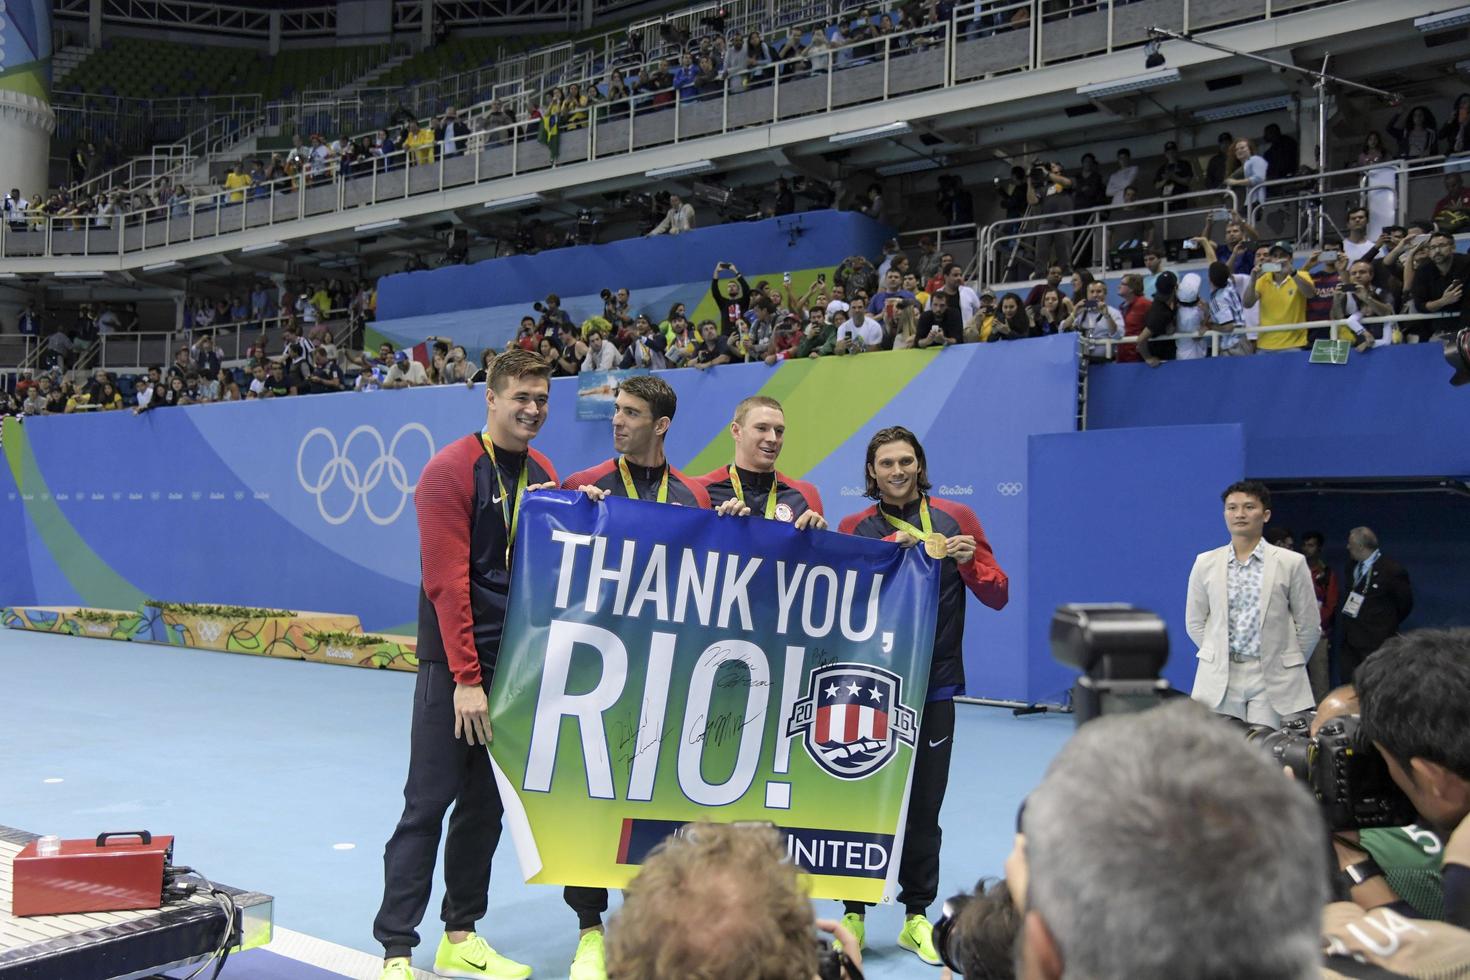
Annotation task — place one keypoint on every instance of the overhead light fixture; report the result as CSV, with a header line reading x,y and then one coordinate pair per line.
x,y
8,275
912,166
262,247
681,169
1133,83
1152,56
162,266
81,275
869,135
520,200
380,225
1238,109
1432,23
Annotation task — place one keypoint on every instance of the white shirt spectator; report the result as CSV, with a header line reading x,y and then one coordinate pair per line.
x,y
15,209
406,373
1120,181
1356,250
600,357
870,331
143,394
108,322
679,220
1252,313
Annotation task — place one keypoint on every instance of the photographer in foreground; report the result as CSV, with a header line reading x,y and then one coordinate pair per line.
x,y
754,923
1415,706
1160,844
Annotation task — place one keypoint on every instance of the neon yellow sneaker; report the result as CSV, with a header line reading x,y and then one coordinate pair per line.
x,y
854,924
473,959
398,968
589,963
918,938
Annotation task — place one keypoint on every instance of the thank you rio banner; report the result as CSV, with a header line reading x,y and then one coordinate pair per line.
x,y
662,665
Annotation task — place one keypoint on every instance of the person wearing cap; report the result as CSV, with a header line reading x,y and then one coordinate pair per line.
x,y
405,372
1282,292
1159,321
1175,174
1191,319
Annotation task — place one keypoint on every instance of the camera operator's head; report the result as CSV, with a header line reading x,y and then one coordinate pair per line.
x,y
1160,844
1415,705
751,917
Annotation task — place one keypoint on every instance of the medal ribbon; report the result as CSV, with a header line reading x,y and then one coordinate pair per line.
x,y
740,492
627,475
903,525
510,509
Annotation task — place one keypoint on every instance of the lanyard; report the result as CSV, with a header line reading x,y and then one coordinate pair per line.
x,y
935,544
1365,572
663,484
509,511
740,493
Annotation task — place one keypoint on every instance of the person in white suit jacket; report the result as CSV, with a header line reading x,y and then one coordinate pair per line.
x,y
1253,614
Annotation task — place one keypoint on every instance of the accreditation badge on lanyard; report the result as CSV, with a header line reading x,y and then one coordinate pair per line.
x,y
1355,598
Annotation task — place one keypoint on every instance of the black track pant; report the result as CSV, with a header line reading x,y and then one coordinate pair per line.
x,y
588,903
441,770
918,868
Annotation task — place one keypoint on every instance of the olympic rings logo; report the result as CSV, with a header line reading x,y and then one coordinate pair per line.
x,y
1008,489
360,482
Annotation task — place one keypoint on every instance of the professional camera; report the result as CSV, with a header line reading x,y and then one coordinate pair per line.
x,y
1457,353
607,295
834,964
1038,176
978,931
1119,649
1341,768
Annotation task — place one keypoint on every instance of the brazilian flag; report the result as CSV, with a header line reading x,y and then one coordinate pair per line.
x,y
550,133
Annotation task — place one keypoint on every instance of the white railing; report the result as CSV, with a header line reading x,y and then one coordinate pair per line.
x,y
1110,344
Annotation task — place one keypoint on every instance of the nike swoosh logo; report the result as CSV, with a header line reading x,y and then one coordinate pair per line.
x,y
497,498
473,965
935,745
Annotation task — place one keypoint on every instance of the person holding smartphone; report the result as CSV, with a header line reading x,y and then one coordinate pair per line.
x,y
1282,292
1439,286
733,299
1356,297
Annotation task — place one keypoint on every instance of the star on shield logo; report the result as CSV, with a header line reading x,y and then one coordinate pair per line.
x,y
853,718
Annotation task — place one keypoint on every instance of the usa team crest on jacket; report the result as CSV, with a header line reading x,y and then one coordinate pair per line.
x,y
853,718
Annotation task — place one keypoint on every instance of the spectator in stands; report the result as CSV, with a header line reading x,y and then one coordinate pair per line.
x,y
1455,136
1440,287
683,340
257,185
1325,277
1048,315
1051,199
1160,321
1451,211
1227,312
183,363
685,77
1357,297
1219,165
1088,189
405,373
961,297
1281,153
451,132
204,356
1417,138
16,205
236,182
1095,319
226,389
29,321
1175,174
733,300
1283,293
1054,276
892,293
942,323
1135,222
1357,243
1134,307
1251,172
278,385
1122,178
1373,151
35,399
601,354
713,349
1154,260
861,332
57,395
648,347
679,219
1012,322
324,375
911,285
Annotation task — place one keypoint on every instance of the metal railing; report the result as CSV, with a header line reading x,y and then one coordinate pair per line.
x,y
966,48
170,160
232,340
995,262
1306,215
1110,344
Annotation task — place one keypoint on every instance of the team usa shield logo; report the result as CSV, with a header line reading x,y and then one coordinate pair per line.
x,y
853,718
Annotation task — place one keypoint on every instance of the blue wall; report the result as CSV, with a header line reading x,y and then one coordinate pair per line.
x,y
1118,516
1388,413
212,503
481,305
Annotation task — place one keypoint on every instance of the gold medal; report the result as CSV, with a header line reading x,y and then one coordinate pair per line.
x,y
936,546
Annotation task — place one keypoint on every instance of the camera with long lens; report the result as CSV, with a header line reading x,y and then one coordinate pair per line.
x,y
833,964
1342,769
1120,650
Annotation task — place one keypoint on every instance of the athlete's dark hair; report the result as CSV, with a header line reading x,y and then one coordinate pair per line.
x,y
1251,488
517,363
881,438
655,391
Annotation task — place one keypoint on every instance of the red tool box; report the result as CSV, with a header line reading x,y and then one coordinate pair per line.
x,y
117,871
